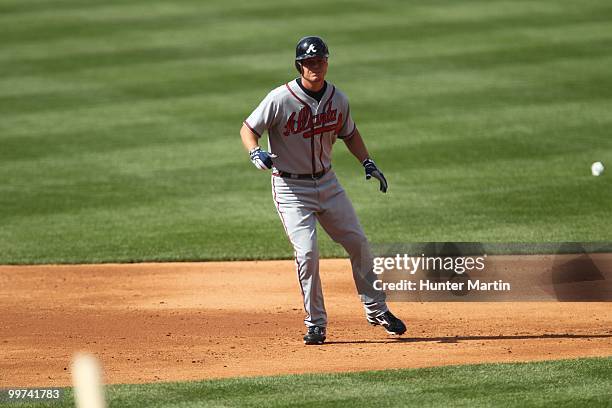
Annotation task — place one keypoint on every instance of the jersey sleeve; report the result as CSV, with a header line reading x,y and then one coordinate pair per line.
x,y
264,116
348,128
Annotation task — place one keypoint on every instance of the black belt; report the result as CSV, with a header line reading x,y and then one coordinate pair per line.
x,y
315,176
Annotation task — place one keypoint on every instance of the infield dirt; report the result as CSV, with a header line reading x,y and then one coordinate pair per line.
x,y
188,321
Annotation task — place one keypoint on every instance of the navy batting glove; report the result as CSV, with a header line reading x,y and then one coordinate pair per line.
x,y
372,171
261,159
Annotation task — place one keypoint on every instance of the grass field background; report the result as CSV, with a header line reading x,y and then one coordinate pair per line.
x,y
119,123
566,383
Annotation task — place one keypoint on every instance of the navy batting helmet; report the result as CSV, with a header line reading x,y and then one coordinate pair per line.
x,y
309,47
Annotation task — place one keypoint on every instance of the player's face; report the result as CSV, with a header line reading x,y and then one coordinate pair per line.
x,y
314,69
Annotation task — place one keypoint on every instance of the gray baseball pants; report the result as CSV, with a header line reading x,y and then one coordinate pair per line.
x,y
300,204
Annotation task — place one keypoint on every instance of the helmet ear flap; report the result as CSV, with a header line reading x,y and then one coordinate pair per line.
x,y
298,66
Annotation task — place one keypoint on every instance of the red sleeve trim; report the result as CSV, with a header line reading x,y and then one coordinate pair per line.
x,y
348,115
347,137
251,129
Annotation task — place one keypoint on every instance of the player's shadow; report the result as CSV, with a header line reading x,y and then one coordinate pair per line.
x,y
575,277
456,339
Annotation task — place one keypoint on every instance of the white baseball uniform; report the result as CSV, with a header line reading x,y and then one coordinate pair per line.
x,y
301,132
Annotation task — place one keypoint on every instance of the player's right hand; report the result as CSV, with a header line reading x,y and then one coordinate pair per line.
x,y
261,159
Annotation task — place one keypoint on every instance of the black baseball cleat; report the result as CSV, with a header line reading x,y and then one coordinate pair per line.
x,y
315,335
391,324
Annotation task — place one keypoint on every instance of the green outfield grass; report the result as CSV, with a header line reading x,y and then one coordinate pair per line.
x,y
565,383
119,123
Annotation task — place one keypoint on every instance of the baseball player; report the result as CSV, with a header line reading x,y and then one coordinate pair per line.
x,y
304,117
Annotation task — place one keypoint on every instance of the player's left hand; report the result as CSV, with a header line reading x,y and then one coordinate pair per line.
x,y
372,171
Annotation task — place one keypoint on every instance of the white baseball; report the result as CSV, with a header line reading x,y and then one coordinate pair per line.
x,y
597,168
